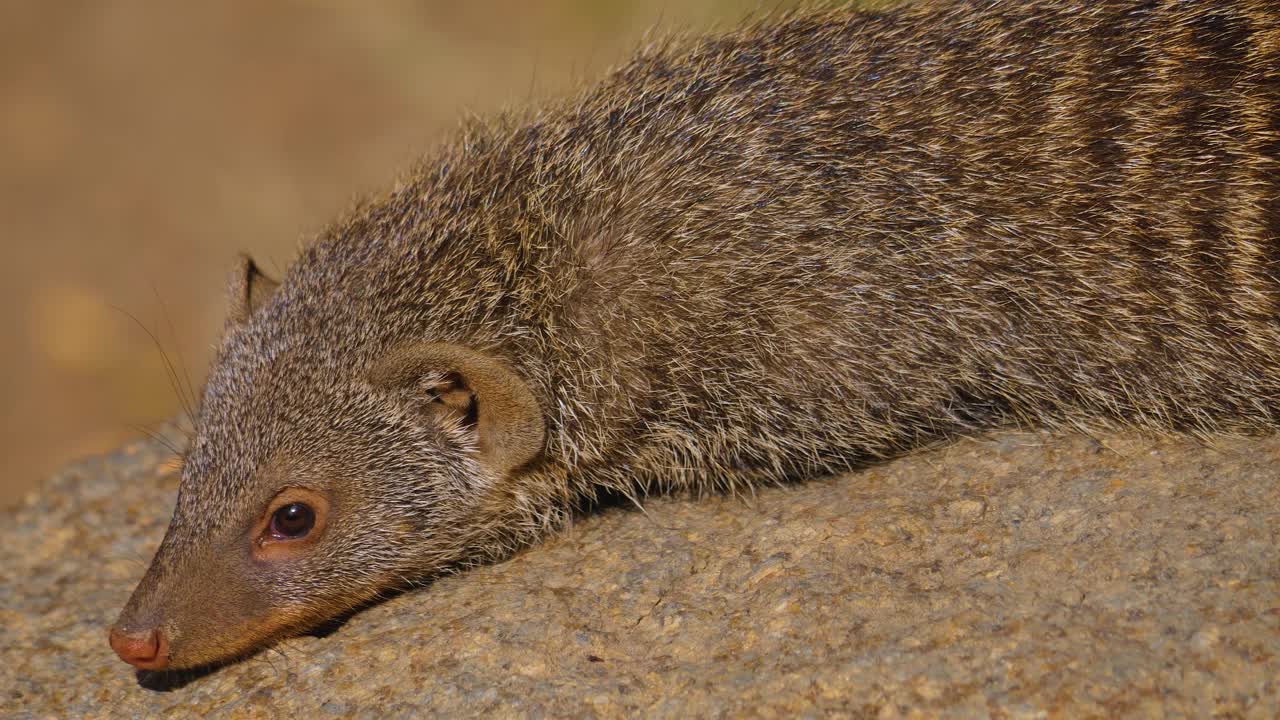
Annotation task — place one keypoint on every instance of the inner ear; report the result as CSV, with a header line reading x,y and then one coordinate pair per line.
x,y
247,290
450,397
477,390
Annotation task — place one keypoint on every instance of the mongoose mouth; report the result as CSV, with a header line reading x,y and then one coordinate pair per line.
x,y
212,638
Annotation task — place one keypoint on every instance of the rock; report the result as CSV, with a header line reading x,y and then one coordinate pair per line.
x,y
1020,576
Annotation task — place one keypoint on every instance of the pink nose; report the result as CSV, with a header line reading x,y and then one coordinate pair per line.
x,y
146,650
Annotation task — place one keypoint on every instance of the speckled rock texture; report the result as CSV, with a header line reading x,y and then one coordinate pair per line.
x,y
1016,576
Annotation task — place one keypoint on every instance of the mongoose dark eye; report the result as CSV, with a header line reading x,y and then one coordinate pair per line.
x,y
292,521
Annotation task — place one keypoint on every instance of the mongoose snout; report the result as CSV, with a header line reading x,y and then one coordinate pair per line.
x,y
788,251
145,650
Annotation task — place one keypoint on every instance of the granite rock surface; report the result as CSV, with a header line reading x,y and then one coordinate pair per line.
x,y
1016,576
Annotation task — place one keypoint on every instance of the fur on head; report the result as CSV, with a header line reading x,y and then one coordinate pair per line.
x,y
358,474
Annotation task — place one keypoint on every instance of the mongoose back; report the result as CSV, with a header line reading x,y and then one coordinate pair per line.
x,y
810,244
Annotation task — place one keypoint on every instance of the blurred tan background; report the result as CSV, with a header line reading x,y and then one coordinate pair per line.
x,y
144,142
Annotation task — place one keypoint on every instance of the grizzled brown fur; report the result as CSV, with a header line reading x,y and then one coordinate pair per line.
x,y
770,255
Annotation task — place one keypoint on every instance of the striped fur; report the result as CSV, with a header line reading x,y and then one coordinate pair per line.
x,y
786,251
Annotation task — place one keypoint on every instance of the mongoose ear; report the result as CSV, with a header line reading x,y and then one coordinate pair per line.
x,y
248,289
477,390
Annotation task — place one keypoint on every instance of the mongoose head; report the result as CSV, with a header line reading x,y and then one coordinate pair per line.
x,y
320,477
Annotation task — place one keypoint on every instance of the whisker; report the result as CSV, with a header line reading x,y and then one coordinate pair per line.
x,y
158,437
170,371
177,348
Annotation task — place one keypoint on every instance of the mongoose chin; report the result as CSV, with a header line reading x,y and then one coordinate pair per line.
x,y
783,252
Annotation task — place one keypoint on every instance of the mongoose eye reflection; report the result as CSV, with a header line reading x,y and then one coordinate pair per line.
x,y
290,525
292,521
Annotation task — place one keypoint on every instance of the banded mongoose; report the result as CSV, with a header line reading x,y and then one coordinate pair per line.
x,y
783,252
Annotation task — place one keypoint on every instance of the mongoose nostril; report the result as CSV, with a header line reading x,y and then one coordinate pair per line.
x,y
148,650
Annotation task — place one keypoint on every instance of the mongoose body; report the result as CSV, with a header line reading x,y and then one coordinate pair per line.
x,y
783,252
